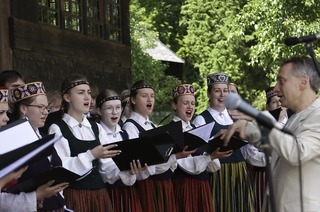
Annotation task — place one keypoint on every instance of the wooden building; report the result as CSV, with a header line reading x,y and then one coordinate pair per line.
x,y
49,39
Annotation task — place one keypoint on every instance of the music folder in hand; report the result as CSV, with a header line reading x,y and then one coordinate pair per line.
x,y
150,150
175,131
24,155
198,136
235,143
58,174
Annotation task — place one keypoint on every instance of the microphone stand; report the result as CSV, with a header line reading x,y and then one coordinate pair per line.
x,y
265,147
313,56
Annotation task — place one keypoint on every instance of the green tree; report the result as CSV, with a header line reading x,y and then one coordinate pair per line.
x,y
143,66
243,39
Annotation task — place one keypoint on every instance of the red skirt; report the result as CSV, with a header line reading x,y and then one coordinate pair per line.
x,y
164,194
192,195
86,200
145,189
125,199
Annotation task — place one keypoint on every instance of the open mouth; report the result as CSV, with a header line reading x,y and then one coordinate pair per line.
x,y
149,106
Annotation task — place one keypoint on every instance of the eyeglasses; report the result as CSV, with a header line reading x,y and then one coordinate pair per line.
x,y
40,107
111,109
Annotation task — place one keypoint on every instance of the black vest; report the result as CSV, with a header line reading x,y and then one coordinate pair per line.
x,y
237,155
93,180
166,175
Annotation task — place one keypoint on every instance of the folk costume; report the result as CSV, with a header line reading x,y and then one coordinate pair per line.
x,y
192,174
123,198
231,185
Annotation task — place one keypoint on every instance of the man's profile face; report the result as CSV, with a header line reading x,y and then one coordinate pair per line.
x,y
288,87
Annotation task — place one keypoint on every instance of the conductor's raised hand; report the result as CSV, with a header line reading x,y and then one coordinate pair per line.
x,y
105,151
184,153
235,114
238,126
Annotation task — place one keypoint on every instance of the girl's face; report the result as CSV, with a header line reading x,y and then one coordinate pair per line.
x,y
79,99
144,101
217,94
4,107
110,112
37,111
185,107
274,103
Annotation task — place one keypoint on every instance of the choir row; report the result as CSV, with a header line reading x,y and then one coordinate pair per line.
x,y
189,181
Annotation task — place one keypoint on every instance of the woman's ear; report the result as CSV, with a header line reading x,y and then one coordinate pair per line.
x,y
99,111
23,110
174,106
66,97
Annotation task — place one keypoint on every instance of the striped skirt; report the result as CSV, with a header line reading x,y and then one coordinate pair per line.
x,y
259,182
145,189
125,199
164,195
86,200
192,195
232,189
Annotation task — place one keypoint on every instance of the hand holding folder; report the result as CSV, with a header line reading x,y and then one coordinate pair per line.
x,y
150,150
18,150
58,174
200,138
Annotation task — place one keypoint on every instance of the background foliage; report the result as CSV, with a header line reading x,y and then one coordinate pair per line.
x,y
244,39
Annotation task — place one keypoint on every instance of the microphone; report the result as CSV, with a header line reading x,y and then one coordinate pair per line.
x,y
233,101
303,39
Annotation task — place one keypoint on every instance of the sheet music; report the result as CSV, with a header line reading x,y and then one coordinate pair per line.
x,y
17,136
203,131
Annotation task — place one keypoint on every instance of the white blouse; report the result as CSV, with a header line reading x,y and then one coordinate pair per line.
x,y
83,161
250,153
133,132
196,164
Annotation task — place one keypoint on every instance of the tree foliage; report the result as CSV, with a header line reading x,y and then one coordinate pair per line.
x,y
242,38
143,66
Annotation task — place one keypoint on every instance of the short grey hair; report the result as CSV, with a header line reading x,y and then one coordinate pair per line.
x,y
305,66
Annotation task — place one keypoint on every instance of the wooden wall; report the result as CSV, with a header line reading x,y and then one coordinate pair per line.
x,y
47,53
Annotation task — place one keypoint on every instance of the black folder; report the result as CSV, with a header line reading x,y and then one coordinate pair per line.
x,y
58,174
198,137
175,131
234,144
151,150
20,157
276,113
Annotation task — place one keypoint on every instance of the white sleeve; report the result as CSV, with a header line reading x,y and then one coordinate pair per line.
x,y
77,164
110,173
151,170
214,165
252,155
131,129
198,164
18,202
170,164
199,121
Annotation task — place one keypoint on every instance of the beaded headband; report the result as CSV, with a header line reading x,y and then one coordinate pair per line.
x,y
27,90
270,92
124,97
108,99
184,89
4,94
140,87
74,84
219,78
